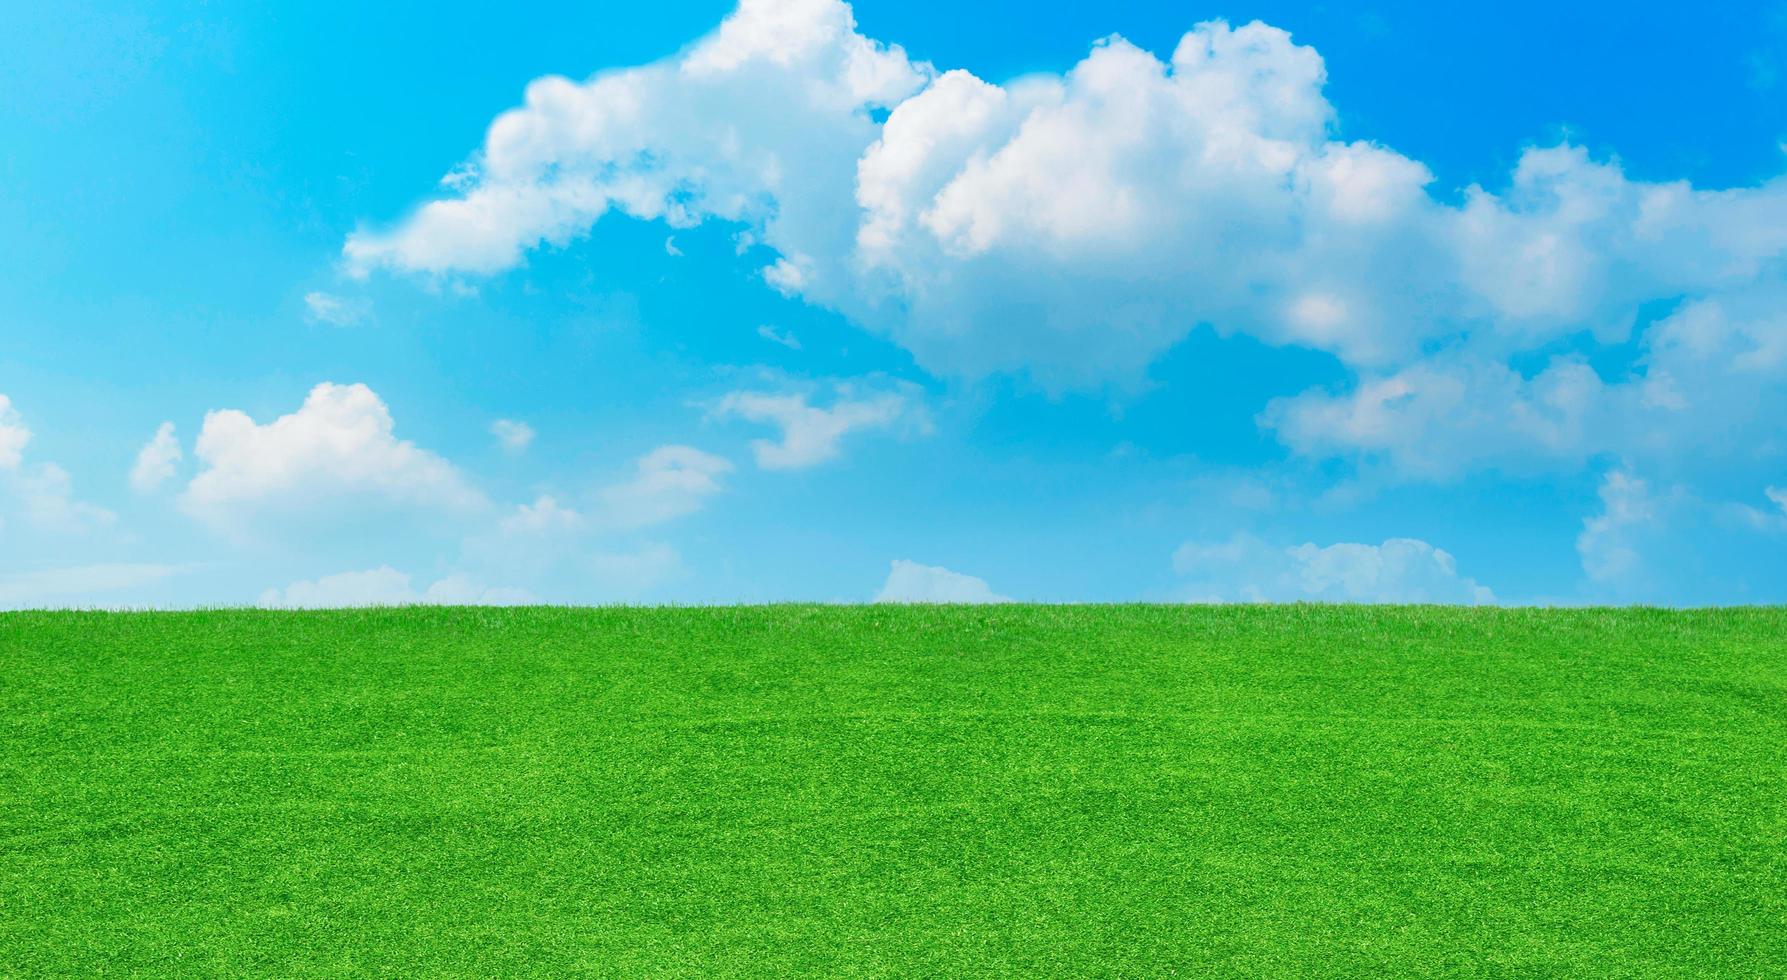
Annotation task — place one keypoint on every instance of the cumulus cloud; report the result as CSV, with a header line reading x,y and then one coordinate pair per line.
x,y
544,515
811,434
909,581
339,445
14,436
1708,384
664,484
1077,224
41,493
760,122
45,494
458,590
1074,224
385,586
156,461
1401,570
514,437
667,483
1606,545
1436,419
592,538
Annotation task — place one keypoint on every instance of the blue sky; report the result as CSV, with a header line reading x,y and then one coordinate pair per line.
x,y
318,304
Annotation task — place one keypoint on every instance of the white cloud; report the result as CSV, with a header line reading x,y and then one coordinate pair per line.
x,y
156,461
45,494
335,310
338,445
1741,514
1076,225
78,584
547,541
759,122
1606,545
1438,418
911,582
1709,383
458,590
590,541
514,437
14,436
545,515
786,338
668,482
385,586
382,586
42,493
810,434
1401,570
1574,243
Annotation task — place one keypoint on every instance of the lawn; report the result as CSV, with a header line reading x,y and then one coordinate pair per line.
x,y
997,791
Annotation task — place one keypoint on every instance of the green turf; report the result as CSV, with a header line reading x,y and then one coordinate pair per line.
x,y
1280,791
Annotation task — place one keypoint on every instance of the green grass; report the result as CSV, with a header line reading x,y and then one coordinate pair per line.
x,y
1279,791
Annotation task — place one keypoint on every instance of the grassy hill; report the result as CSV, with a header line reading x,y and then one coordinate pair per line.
x,y
1283,791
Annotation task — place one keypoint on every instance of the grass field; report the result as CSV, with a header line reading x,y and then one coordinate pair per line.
x,y
1285,791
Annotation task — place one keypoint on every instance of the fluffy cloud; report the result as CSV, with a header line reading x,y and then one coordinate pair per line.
x,y
811,434
591,540
1709,384
14,436
760,122
45,494
514,437
1245,568
338,445
1438,418
1078,224
385,586
544,516
667,483
42,493
1575,244
1605,545
1075,225
911,582
155,462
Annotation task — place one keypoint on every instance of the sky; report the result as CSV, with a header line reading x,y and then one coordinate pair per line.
x,y
336,304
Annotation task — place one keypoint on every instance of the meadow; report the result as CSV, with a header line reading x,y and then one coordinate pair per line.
x,y
857,791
